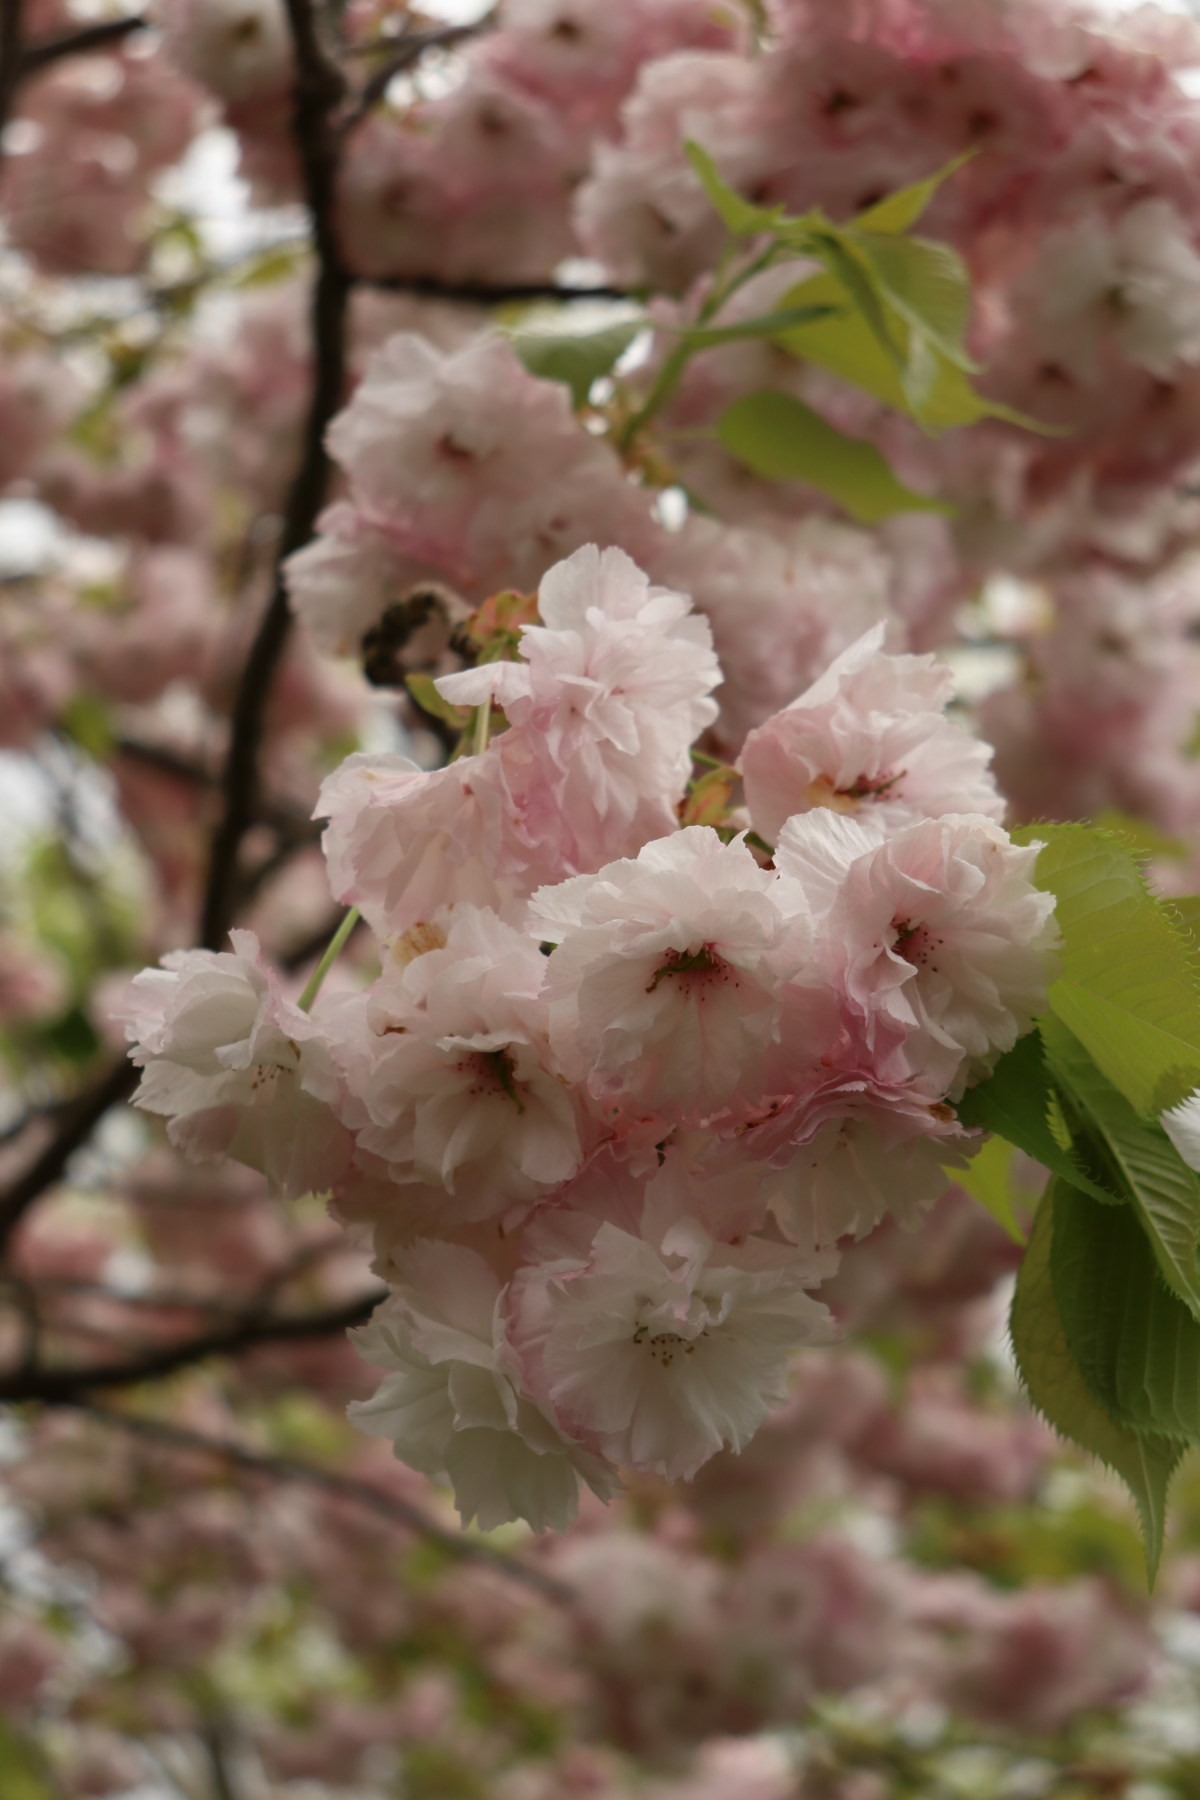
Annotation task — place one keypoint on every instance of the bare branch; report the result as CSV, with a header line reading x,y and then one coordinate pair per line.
x,y
67,1385
286,1468
104,35
318,91
79,1119
404,53
10,60
480,293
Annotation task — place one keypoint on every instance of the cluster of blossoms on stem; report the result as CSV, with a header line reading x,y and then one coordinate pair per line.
x,y
623,1085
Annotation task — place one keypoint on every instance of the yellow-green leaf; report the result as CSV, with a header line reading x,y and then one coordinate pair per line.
x,y
781,439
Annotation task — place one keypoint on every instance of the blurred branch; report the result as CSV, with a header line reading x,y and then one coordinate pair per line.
x,y
291,820
78,1115
319,90
215,1739
10,60
286,1468
79,1118
104,35
479,293
404,53
66,1385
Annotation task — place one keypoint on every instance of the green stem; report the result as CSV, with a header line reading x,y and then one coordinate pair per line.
x,y
671,373
337,944
481,728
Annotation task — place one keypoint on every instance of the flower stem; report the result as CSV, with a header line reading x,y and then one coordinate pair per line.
x,y
481,729
337,944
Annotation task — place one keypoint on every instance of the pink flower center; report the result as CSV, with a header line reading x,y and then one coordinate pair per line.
x,y
494,1072
916,944
704,963
665,1346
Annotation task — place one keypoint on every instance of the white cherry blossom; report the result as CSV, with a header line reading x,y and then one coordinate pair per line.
x,y
452,1401
868,738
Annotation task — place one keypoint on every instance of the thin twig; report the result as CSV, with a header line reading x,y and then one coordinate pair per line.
x,y
80,1118
64,1385
404,53
318,91
102,36
10,60
386,1505
482,293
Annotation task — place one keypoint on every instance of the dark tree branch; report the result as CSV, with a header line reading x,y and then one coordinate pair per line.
x,y
80,1113
79,1119
292,821
404,54
69,1385
101,36
318,91
364,1493
481,293
10,61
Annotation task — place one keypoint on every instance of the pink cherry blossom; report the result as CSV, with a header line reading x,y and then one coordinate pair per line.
x,y
463,1092
663,1350
665,982
868,738
237,1069
937,929
453,1401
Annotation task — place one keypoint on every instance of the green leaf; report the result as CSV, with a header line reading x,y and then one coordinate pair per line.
x,y
1015,1102
22,1772
1137,1345
424,692
576,358
703,337
1139,835
1128,989
88,721
274,265
988,1179
845,345
740,216
1163,1192
783,440
1183,910
901,210
926,284
1056,1387
846,263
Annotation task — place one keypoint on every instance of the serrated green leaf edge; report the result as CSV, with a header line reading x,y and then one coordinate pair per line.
x,y
1136,1344
1014,1102
1162,1191
1056,1388
1129,988
988,1179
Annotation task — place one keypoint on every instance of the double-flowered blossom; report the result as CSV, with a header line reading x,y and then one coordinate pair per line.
x,y
463,1091
666,983
870,739
937,930
611,692
624,1085
452,1397
663,1346
461,466
236,1068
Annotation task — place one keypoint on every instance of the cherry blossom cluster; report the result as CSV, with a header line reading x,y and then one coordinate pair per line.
x,y
622,1085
